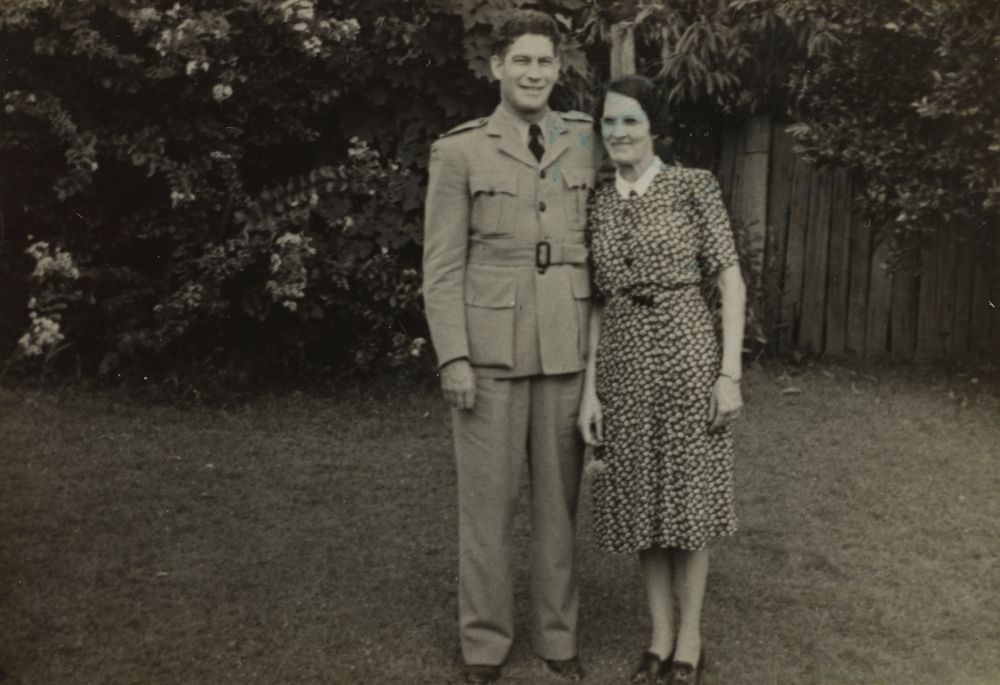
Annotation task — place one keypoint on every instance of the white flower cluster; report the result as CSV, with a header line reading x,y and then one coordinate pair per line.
x,y
300,16
189,31
179,197
51,261
195,65
298,10
359,148
221,91
13,98
342,30
289,270
143,17
312,46
417,346
42,335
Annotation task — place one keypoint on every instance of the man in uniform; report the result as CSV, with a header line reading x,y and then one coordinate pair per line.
x,y
507,294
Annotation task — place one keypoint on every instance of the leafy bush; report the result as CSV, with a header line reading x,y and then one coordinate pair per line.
x,y
906,95
205,168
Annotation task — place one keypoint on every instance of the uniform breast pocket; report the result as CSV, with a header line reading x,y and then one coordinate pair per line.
x,y
494,200
578,184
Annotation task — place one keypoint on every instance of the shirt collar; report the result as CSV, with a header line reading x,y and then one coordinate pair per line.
x,y
641,184
522,126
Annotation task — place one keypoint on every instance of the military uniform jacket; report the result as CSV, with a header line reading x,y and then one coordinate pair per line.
x,y
506,280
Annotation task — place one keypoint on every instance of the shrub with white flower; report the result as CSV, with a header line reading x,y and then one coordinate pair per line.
x,y
51,262
221,91
289,276
42,336
53,290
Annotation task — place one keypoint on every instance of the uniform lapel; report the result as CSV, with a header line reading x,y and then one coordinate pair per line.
x,y
557,140
510,142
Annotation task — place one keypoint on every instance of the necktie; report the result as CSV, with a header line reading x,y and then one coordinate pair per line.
x,y
535,141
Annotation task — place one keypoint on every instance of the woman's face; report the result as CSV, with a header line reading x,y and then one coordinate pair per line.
x,y
625,129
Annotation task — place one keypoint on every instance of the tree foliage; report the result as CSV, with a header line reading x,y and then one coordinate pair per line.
x,y
906,96
238,184
237,187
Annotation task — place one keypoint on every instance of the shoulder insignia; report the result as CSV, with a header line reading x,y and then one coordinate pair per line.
x,y
573,115
467,126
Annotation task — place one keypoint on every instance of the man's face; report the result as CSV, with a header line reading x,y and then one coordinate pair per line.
x,y
527,73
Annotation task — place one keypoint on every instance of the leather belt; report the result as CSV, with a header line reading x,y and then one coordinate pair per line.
x,y
540,255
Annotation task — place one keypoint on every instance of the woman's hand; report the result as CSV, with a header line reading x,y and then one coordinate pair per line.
x,y
726,402
590,421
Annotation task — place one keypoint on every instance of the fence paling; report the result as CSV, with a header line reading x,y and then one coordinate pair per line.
x,y
857,297
959,341
798,220
779,189
928,340
840,263
879,303
905,287
816,261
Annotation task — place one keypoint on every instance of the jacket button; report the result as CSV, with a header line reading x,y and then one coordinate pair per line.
x,y
541,206
541,174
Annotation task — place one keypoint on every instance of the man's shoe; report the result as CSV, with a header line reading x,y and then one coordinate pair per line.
x,y
480,673
567,669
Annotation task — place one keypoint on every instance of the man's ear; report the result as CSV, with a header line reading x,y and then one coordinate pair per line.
x,y
496,64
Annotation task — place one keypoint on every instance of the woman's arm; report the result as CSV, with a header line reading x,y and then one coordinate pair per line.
x,y
590,420
726,392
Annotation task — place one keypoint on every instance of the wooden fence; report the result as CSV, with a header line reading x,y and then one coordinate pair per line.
x,y
825,286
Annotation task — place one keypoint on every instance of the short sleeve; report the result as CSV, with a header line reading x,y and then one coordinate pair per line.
x,y
717,249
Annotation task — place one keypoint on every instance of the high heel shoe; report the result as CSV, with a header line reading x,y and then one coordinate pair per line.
x,y
683,673
651,668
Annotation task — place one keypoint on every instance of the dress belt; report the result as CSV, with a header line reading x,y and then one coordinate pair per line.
x,y
646,295
540,255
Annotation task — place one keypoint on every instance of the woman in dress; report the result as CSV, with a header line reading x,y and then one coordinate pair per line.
x,y
659,393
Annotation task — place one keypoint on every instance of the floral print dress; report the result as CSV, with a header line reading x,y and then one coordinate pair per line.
x,y
667,481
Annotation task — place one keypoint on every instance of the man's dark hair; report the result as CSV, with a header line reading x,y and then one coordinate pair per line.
x,y
647,93
522,22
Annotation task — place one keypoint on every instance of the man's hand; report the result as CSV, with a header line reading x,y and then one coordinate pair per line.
x,y
459,384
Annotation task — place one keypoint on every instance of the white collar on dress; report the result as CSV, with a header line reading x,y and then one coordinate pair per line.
x,y
641,184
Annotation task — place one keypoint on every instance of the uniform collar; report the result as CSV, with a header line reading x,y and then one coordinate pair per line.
x,y
521,126
514,141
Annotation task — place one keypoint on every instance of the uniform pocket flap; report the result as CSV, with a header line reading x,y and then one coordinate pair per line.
x,y
578,178
490,290
492,183
581,284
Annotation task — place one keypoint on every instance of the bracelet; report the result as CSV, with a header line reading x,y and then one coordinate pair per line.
x,y
726,375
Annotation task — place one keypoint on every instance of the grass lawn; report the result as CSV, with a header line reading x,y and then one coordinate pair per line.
x,y
312,540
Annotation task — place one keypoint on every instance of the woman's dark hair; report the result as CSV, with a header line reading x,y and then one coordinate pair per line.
x,y
647,94
521,22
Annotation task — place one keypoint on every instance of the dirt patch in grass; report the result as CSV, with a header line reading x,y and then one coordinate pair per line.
x,y
306,540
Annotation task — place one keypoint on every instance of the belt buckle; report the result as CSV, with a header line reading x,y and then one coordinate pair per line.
x,y
543,255
644,300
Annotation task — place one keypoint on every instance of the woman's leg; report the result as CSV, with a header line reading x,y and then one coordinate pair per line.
x,y
657,576
690,578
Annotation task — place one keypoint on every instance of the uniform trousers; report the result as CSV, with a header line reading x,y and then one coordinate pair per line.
x,y
518,422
